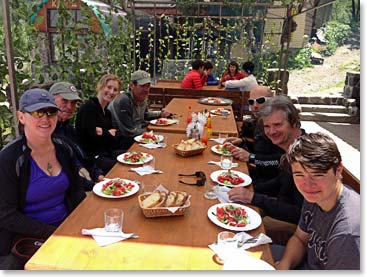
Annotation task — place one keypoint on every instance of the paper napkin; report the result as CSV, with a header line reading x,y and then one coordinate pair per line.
x,y
222,193
153,145
145,170
104,238
228,249
218,140
218,164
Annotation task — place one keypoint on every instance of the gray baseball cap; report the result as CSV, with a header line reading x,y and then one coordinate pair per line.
x,y
140,76
67,90
36,99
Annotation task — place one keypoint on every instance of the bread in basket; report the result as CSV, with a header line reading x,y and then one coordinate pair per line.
x,y
189,147
156,203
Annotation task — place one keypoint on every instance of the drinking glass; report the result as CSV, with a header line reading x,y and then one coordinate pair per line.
x,y
209,192
226,162
149,165
222,137
113,219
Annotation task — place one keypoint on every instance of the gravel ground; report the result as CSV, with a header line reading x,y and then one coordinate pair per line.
x,y
327,78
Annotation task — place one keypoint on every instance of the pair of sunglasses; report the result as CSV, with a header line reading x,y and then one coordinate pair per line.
x,y
41,113
260,100
199,174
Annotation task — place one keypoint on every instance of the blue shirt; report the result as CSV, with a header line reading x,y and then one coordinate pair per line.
x,y
45,196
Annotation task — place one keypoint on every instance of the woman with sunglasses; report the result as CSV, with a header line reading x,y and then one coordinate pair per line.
x,y
39,178
95,131
232,73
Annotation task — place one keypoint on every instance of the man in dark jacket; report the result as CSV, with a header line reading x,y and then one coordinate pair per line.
x,y
66,98
279,197
254,147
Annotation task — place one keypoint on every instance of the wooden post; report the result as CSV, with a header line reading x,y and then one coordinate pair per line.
x,y
10,62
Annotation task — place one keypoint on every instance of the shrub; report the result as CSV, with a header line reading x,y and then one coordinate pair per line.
x,y
301,59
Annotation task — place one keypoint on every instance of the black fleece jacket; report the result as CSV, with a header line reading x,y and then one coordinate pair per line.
x,y
14,175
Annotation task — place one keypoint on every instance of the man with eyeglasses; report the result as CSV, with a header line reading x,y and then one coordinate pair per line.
x,y
254,147
130,113
67,98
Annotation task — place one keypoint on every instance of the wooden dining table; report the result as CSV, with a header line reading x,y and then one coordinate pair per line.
x,y
180,106
163,84
164,243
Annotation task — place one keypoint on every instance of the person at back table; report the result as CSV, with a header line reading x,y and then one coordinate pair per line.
x,y
246,83
232,73
66,99
328,233
211,80
95,132
254,146
195,78
39,178
130,113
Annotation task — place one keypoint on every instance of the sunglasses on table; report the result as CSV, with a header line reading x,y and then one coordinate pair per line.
x,y
260,100
41,113
200,181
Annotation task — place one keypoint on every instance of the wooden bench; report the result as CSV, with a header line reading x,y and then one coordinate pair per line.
x,y
350,180
160,96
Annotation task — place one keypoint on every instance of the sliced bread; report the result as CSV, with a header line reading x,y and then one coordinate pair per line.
x,y
152,200
171,199
181,198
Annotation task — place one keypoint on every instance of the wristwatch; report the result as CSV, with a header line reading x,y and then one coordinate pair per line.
x,y
251,158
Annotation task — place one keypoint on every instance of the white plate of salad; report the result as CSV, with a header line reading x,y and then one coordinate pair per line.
x,y
223,149
134,158
149,137
234,217
115,188
232,179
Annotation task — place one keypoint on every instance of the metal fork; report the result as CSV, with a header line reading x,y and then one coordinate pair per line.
x,y
254,239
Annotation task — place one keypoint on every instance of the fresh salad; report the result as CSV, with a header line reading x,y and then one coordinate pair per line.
x,y
214,100
230,178
225,149
162,121
149,137
135,157
232,215
117,187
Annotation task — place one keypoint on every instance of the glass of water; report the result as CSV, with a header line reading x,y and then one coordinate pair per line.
x,y
226,162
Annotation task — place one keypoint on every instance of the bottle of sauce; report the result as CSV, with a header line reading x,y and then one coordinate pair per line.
x,y
209,126
204,136
189,115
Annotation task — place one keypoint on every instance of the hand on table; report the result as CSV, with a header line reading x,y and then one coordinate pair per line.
x,y
240,154
234,140
241,194
165,113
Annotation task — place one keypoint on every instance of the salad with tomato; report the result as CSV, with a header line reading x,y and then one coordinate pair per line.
x,y
149,137
135,157
161,121
117,187
230,178
232,215
225,149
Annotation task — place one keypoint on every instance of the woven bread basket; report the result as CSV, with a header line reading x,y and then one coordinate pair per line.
x,y
188,153
161,211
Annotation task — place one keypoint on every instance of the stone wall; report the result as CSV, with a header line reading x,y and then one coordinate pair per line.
x,y
352,92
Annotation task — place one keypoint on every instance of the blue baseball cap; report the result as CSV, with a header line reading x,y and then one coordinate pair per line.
x,y
36,99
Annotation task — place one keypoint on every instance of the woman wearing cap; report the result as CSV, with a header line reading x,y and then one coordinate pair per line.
x,y
246,83
95,132
39,181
